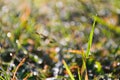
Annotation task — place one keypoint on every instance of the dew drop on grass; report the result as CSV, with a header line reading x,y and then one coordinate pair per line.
x,y
35,73
91,75
11,54
17,41
40,61
25,52
96,66
36,57
8,34
118,64
57,49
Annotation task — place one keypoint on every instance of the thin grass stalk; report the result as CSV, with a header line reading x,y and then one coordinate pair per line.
x,y
68,70
90,38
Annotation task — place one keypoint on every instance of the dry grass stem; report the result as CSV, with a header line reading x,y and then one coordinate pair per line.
x,y
19,65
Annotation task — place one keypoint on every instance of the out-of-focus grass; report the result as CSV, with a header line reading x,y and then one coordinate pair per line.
x,y
63,23
1,78
116,29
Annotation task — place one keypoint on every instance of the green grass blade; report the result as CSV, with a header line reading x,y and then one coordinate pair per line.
x,y
1,78
6,76
110,26
90,38
79,76
68,70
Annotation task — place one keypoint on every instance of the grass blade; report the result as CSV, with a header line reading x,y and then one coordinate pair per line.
x,y
19,65
68,70
79,76
110,26
90,38
1,78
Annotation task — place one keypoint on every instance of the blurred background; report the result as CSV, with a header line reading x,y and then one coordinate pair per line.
x,y
46,30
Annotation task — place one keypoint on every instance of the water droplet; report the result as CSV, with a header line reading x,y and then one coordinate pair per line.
x,y
118,64
11,54
57,49
35,73
8,34
40,61
17,41
96,66
36,57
